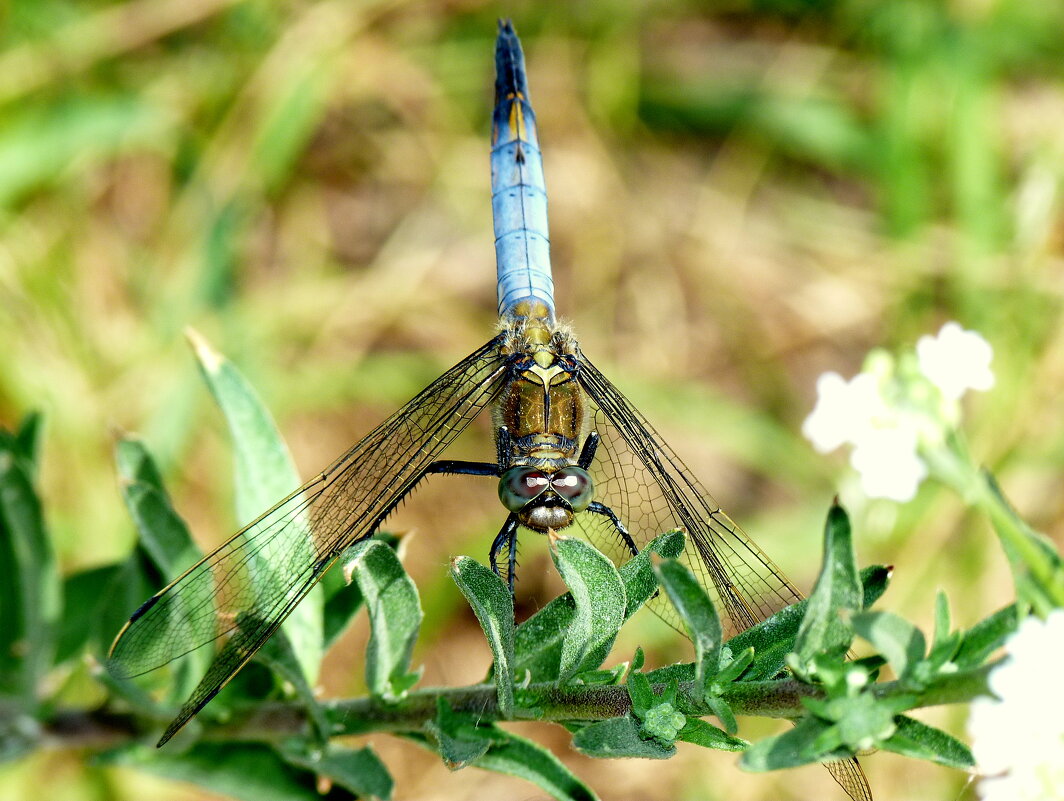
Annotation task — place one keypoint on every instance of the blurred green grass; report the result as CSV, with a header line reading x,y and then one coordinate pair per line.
x,y
743,195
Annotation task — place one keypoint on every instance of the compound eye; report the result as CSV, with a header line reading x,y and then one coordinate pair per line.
x,y
575,485
519,485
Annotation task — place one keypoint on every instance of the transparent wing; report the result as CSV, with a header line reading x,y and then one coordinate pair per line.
x,y
241,593
643,480
645,483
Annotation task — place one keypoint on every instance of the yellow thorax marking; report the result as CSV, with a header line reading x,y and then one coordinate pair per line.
x,y
517,121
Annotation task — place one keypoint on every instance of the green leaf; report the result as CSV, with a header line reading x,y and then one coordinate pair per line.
x,y
459,740
640,692
599,599
493,605
538,641
162,534
95,606
516,756
774,638
395,617
837,587
986,636
680,672
920,741
874,582
942,619
265,475
358,770
858,721
245,771
1037,567
30,592
343,598
791,749
619,737
896,638
25,443
699,617
700,732
637,574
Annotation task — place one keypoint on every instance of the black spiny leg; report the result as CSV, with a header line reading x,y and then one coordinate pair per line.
x,y
587,453
503,447
605,511
506,538
459,468
447,467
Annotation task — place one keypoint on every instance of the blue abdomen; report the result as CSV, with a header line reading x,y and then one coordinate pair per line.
x,y
518,192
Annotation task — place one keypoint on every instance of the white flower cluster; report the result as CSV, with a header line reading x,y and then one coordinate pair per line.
x,y
892,408
1018,737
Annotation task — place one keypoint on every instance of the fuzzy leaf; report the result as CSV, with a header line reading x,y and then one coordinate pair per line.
x,y
699,617
599,601
920,741
245,771
700,732
30,592
516,756
837,587
493,605
358,770
538,641
265,475
986,636
395,617
896,638
619,737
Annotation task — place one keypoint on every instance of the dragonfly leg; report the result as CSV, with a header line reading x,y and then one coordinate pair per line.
x,y
506,538
587,453
605,511
503,446
447,467
460,468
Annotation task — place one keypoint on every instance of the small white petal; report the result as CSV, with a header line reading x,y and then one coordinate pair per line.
x,y
844,410
887,462
956,360
1018,737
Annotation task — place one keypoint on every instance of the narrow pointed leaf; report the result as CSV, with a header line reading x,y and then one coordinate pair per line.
x,y
162,534
30,591
619,737
264,475
519,757
791,749
493,605
395,617
837,587
700,732
987,636
920,741
894,637
244,771
698,614
599,604
358,770
537,641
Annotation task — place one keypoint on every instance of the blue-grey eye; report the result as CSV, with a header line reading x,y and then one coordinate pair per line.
x,y
575,485
519,485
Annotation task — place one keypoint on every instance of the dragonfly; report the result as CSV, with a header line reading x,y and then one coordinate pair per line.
x,y
570,452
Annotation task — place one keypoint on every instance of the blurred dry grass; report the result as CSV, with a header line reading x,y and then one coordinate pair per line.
x,y
742,196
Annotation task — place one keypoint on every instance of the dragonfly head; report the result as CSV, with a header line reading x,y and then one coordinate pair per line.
x,y
546,500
